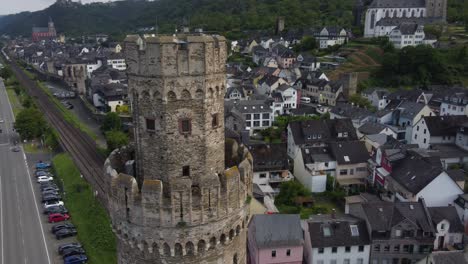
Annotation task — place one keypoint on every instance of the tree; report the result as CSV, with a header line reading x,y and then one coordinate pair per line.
x,y
116,139
289,191
360,101
30,123
6,73
111,121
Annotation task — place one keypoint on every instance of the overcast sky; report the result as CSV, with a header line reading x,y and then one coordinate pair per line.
x,y
16,6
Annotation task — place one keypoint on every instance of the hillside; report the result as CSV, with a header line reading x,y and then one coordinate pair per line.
x,y
217,15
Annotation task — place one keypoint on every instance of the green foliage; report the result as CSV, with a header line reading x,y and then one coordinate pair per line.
x,y
289,191
6,73
360,101
422,65
52,139
308,43
434,29
120,17
116,139
30,123
90,218
274,133
111,121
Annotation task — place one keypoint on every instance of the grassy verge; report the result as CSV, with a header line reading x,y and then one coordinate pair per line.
x,y
90,218
67,114
14,101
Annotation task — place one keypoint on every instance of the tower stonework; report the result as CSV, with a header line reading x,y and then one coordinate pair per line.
x,y
180,192
436,8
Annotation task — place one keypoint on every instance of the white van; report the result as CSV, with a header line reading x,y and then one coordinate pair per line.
x,y
305,100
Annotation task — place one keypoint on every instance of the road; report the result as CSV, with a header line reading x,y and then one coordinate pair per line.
x,y
22,225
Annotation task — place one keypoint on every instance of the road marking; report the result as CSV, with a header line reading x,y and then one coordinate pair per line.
x,y
32,189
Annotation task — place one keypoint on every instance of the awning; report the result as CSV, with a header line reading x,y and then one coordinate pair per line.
x,y
383,172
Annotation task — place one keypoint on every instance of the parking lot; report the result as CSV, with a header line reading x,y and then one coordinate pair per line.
x,y
52,242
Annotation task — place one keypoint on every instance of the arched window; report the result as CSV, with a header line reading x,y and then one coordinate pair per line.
x,y
178,249
234,259
189,248
171,96
231,234
222,239
238,229
201,246
166,249
212,242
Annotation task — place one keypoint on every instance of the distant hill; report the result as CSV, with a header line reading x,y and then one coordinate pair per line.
x,y
122,17
217,15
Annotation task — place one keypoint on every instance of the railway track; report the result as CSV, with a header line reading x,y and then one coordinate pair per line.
x,y
79,145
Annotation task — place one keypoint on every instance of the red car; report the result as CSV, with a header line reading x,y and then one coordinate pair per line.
x,y
53,218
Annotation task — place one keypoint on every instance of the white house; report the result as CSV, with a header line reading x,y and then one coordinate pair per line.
x,y
377,97
90,67
455,104
430,130
407,34
117,61
331,36
449,228
341,239
311,166
416,177
286,96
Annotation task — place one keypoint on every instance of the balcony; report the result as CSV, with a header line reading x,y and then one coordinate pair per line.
x,y
282,176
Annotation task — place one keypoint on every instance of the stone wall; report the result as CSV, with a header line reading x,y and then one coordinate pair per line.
x,y
184,204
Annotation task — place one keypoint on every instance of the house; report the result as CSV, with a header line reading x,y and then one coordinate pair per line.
x,y
275,238
284,56
256,113
288,97
377,97
448,227
318,133
312,165
330,36
445,257
110,97
461,204
117,61
270,165
259,54
430,130
455,104
351,163
400,232
407,34
268,84
321,90
415,177
407,114
335,239
372,128
358,115
307,62
234,93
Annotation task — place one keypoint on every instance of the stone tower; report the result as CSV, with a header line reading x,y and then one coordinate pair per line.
x,y
436,8
51,27
180,193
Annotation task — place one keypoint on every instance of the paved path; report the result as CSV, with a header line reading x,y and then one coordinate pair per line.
x,y
22,230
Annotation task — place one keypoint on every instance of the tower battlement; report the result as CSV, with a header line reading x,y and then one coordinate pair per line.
x,y
174,56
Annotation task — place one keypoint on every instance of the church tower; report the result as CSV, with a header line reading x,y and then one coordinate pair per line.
x,y
180,193
436,8
51,26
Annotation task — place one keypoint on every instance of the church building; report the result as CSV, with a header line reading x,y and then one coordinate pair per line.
x,y
44,33
383,16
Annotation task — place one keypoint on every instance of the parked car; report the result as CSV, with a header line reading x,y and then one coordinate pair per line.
x,y
57,227
75,259
72,252
53,218
15,149
52,203
56,209
42,165
44,179
49,188
49,192
42,173
63,247
1,121
48,184
65,232
50,198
